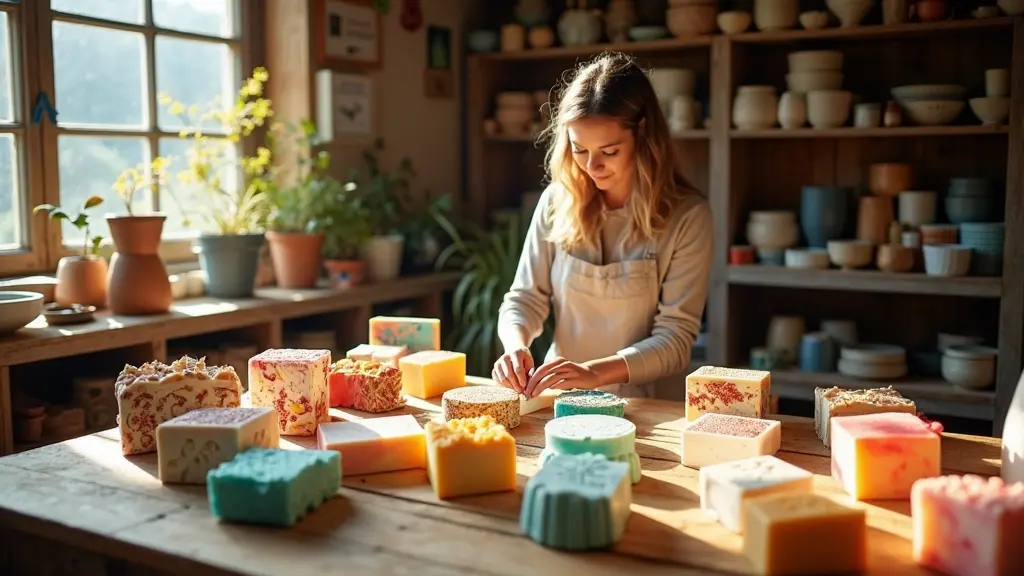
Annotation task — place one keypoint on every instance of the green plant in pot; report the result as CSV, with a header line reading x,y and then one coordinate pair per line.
x,y
81,278
350,229
234,209
423,233
379,190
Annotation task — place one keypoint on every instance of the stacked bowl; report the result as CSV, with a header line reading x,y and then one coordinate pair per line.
x,y
931,104
811,70
516,112
872,361
970,200
985,239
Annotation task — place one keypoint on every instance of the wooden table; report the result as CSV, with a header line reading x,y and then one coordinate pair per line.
x,y
81,501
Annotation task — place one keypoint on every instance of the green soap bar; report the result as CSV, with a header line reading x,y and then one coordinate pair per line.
x,y
273,486
577,502
609,436
589,402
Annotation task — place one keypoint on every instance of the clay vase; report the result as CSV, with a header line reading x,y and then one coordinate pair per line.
x,y
874,214
345,273
296,258
137,283
81,280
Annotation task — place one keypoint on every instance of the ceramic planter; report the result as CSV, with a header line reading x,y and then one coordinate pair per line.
x,y
345,273
296,258
230,263
823,213
81,280
383,256
137,283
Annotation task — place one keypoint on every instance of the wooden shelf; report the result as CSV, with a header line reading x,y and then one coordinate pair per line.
x,y
932,396
685,135
874,32
664,45
865,281
849,132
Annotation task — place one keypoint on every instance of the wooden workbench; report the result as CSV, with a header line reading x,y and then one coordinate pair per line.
x,y
81,507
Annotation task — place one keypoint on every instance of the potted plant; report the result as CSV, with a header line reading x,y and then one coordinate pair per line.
x,y
422,233
229,247
379,192
137,282
350,229
82,278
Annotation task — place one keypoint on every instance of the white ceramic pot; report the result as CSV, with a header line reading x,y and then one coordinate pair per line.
x,y
840,330
946,259
383,256
828,108
792,110
917,207
784,334
776,14
755,107
972,367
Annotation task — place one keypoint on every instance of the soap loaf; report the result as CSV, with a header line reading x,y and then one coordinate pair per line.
x,y
577,502
725,487
728,391
968,525
835,401
589,402
373,445
609,436
416,334
273,486
293,382
717,438
153,393
389,355
502,404
470,456
196,442
366,385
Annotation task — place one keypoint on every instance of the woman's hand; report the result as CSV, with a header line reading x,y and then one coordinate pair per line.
x,y
561,373
513,369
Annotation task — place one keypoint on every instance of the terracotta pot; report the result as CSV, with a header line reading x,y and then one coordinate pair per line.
x,y
874,214
296,258
137,282
345,273
889,178
81,280
931,10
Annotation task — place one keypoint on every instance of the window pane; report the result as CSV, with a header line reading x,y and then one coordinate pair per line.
x,y
188,196
120,10
89,166
10,201
193,73
100,74
213,17
6,87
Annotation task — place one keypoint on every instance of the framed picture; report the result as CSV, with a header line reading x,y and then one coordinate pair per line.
x,y
346,108
347,33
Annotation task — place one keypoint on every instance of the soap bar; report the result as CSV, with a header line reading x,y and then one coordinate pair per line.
x,y
499,403
968,525
155,392
369,386
470,456
577,502
273,486
375,445
416,334
432,373
378,353
609,436
711,389
717,438
196,442
542,401
293,382
589,402
804,534
879,456
725,487
835,401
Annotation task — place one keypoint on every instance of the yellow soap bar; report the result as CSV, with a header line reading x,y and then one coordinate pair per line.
x,y
432,372
804,534
731,391
468,456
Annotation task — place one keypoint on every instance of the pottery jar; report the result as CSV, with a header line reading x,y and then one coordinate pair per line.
x,y
541,37
784,334
889,178
579,26
137,282
874,213
917,207
776,14
792,110
867,115
895,11
513,38
931,10
823,211
755,107
81,280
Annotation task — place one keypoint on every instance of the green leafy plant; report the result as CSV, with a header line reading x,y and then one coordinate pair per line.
x,y
134,180
306,204
350,226
380,190
80,221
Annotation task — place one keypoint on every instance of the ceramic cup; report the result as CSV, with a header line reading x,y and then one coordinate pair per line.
x,y
817,352
997,82
867,115
740,255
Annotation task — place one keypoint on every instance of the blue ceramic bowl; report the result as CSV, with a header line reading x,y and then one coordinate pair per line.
x,y
482,41
970,209
970,187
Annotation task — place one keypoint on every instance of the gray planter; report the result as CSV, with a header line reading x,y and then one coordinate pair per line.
x,y
230,263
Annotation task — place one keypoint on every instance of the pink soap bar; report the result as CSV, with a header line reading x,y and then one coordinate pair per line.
x,y
969,525
879,456
366,385
293,382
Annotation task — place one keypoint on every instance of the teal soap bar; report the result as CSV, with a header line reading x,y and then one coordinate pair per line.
x,y
610,436
273,486
577,502
576,402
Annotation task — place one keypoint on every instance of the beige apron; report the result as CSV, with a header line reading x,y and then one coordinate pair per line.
x,y
600,310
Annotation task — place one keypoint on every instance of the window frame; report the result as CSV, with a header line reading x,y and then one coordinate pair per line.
x,y
41,170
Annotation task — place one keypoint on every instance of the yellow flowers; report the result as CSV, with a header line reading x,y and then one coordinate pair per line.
x,y
131,180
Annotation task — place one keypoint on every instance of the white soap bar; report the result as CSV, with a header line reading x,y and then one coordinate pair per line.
x,y
724,487
196,442
389,355
717,438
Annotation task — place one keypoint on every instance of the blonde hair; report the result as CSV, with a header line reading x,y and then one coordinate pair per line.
x,y
611,85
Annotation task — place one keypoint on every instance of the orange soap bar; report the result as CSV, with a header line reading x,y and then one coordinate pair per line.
x,y
468,456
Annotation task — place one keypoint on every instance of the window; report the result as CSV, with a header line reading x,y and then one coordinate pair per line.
x,y
103,64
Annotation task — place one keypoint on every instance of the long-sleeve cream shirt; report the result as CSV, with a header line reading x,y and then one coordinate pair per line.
x,y
683,251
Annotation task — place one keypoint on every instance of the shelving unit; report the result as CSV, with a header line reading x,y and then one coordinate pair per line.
x,y
742,171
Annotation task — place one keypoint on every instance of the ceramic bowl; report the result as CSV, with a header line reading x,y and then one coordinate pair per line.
x,y
970,209
641,33
946,340
849,254
894,258
849,12
18,308
917,207
1011,7
933,112
991,110
776,217
804,82
946,259
828,108
969,366
814,19
939,233
913,92
872,353
865,371
691,20
815,258
811,60
734,21
771,236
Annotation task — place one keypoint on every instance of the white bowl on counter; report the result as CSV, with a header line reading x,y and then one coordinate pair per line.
x,y
970,366
18,308
946,259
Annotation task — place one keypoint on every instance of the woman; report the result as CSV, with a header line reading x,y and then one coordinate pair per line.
x,y
619,248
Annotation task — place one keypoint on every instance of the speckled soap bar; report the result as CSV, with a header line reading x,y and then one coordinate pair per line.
x,y
717,438
589,402
273,486
577,502
499,403
833,402
609,436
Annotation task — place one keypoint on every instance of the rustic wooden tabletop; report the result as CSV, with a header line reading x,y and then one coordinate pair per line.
x,y
82,502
